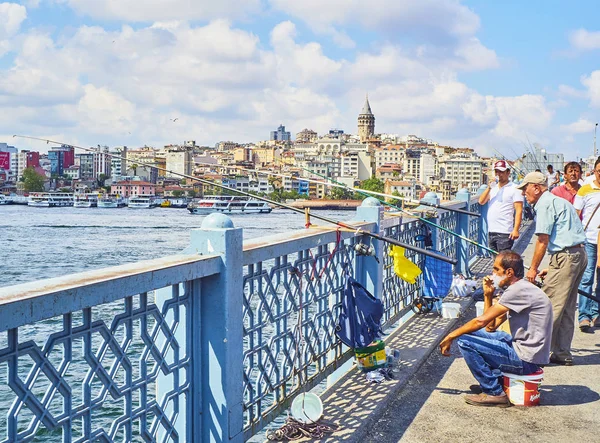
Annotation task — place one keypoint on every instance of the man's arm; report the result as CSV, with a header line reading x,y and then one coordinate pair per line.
x,y
485,196
518,218
541,245
474,325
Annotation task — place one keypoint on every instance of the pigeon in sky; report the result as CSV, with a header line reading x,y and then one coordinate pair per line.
x,y
174,119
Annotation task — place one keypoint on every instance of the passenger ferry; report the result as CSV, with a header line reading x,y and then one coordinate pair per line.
x,y
229,205
86,200
111,201
50,199
142,202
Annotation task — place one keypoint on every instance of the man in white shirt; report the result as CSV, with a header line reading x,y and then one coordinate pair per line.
x,y
505,210
553,177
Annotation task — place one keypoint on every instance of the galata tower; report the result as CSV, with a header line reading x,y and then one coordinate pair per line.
x,y
366,122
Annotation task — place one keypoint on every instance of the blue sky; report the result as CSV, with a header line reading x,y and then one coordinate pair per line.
x,y
479,74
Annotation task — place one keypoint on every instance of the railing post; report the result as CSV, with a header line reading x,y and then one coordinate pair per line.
x,y
369,272
432,198
462,227
218,357
482,237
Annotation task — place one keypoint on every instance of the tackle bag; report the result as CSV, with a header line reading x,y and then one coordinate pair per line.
x,y
359,323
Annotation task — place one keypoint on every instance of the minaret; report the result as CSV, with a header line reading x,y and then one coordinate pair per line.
x,y
366,122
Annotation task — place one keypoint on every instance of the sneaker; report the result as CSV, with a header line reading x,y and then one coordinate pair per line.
x,y
563,362
585,326
499,401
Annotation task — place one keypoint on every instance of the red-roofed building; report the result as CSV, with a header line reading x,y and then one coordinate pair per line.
x,y
128,188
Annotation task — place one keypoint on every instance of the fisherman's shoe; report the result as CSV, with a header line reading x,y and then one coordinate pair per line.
x,y
559,361
499,401
585,325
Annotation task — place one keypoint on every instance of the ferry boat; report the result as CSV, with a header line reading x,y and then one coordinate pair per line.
x,y
86,200
4,200
229,205
111,201
50,199
142,202
172,202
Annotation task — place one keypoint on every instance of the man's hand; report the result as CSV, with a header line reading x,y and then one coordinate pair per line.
x,y
488,287
542,274
531,274
514,234
445,346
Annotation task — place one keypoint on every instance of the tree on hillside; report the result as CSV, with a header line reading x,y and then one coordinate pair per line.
x,y
372,184
34,182
340,194
192,193
178,193
397,202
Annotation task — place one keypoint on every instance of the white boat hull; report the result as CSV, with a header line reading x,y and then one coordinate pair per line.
x,y
111,204
206,211
84,205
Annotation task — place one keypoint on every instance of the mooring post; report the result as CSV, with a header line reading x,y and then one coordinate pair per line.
x,y
218,356
369,272
462,228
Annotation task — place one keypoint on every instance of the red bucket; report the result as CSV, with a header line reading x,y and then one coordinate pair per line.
x,y
523,390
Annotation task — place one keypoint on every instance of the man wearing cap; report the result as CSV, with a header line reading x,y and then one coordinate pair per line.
x,y
505,210
560,232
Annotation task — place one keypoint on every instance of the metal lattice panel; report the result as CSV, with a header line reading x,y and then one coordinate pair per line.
x,y
277,362
447,242
114,372
398,294
474,231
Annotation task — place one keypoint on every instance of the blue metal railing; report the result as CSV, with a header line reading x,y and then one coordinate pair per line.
x,y
158,350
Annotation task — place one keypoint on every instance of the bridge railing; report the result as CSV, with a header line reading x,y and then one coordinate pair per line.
x,y
207,346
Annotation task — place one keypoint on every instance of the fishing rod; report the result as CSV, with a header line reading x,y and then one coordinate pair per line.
x,y
337,185
424,220
283,205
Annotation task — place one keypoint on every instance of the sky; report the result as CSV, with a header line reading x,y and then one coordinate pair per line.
x,y
493,76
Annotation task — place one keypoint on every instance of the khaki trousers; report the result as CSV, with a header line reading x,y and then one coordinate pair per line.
x,y
564,275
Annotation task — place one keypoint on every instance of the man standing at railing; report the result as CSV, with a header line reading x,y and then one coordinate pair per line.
x,y
522,351
505,211
560,232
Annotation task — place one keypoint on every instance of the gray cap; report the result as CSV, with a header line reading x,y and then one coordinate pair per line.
x,y
535,178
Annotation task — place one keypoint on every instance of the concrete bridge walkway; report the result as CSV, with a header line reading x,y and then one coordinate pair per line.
x,y
426,404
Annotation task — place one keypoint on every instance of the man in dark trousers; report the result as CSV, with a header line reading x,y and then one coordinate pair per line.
x,y
487,354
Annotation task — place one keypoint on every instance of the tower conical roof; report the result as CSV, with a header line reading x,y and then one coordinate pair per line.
x,y
366,108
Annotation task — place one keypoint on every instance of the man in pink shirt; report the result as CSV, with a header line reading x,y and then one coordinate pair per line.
x,y
568,191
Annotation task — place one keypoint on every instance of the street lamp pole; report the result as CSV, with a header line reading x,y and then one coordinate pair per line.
x,y
595,153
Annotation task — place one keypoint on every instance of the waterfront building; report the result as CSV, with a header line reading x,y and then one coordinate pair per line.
x,y
366,122
85,162
60,158
117,163
306,136
281,134
72,172
9,161
463,171
406,188
26,159
128,188
178,161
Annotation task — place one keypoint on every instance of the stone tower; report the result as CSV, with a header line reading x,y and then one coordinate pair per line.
x,y
366,122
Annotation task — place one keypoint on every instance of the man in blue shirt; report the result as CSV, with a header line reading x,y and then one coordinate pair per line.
x,y
560,232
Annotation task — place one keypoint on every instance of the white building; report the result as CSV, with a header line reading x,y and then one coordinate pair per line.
x,y
428,168
389,154
462,171
179,161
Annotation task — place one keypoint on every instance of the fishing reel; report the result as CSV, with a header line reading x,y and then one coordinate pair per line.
x,y
368,250
425,236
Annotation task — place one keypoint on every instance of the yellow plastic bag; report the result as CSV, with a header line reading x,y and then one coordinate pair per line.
x,y
403,267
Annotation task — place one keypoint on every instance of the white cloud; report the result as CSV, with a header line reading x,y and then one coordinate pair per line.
x,y
584,40
12,16
581,126
571,92
155,10
592,83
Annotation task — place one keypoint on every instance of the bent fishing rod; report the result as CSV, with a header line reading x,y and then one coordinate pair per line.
x,y
337,185
424,220
357,229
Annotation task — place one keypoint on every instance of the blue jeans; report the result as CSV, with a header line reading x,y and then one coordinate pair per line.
x,y
489,353
588,309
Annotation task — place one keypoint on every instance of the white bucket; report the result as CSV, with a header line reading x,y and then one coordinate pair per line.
x,y
307,408
523,390
479,308
450,310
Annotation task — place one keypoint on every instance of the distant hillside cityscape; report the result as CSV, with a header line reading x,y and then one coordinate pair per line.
x,y
405,166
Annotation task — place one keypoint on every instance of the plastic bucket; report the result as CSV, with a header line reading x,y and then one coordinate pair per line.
x,y
450,310
479,308
307,408
372,357
523,390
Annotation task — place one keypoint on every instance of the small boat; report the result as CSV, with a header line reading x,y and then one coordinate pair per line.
x,y
4,200
111,201
172,202
142,202
86,200
50,199
228,204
